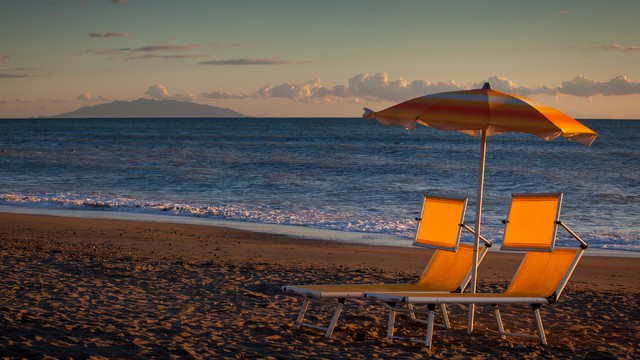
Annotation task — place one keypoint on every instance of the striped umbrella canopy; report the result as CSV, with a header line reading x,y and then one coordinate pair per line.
x,y
483,112
479,110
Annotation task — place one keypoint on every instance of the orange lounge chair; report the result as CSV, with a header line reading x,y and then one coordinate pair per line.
x,y
542,275
449,269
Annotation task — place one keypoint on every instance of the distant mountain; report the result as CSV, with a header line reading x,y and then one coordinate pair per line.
x,y
145,108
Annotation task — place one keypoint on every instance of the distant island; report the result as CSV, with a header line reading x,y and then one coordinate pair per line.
x,y
146,108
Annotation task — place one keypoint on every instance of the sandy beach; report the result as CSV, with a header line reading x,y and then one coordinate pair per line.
x,y
92,288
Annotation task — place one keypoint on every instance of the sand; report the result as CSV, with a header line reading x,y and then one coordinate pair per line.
x,y
91,288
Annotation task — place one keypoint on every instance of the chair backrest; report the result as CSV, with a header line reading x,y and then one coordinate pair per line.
x,y
544,274
450,270
532,223
439,225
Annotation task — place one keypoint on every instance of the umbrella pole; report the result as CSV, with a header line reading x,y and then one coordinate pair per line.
x,y
476,242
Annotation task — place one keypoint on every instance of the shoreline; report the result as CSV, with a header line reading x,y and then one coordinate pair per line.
x,y
110,288
337,236
178,240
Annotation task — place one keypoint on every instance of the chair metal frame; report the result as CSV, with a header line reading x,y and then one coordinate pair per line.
x,y
393,300
338,297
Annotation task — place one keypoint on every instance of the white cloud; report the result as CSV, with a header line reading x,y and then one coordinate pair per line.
x,y
608,47
618,47
86,96
379,87
584,87
502,83
159,92
185,97
362,86
226,95
312,91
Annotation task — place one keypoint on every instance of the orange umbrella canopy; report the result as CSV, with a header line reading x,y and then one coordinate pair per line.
x,y
470,111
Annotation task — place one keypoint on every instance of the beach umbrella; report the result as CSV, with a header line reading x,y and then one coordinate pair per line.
x,y
483,112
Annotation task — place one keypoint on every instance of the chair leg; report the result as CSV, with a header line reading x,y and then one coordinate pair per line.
x,y
430,321
496,312
472,311
391,322
303,311
445,316
443,309
412,315
327,329
334,319
536,313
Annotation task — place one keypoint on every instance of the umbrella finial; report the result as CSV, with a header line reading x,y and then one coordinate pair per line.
x,y
368,113
486,86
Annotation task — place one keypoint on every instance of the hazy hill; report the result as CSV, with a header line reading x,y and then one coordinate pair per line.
x,y
150,108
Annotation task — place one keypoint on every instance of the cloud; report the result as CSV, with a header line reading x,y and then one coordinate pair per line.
x,y
109,34
226,95
564,12
185,97
274,61
86,96
183,47
584,87
609,47
15,76
618,47
378,87
119,1
363,86
3,56
502,83
311,92
106,52
159,92
132,53
154,56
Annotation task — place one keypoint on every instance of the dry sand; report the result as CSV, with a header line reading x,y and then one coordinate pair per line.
x,y
88,288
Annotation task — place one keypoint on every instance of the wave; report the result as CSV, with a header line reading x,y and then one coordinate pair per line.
x,y
325,219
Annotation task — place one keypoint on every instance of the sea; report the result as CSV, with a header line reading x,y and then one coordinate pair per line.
x,y
345,178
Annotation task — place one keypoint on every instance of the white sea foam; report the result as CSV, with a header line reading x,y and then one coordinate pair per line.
x,y
362,228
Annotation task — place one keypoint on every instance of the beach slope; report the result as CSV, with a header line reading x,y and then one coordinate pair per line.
x,y
80,288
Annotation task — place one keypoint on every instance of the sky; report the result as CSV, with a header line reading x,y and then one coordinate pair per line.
x,y
317,58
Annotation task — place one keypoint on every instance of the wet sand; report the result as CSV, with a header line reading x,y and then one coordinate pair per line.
x,y
92,288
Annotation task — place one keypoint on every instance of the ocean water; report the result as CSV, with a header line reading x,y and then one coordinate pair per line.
x,y
347,174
